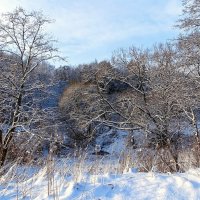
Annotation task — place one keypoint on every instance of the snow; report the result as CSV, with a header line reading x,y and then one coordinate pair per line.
x,y
130,185
112,141
91,177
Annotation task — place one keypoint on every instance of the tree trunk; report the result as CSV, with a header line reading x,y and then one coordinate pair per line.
x,y
9,135
3,156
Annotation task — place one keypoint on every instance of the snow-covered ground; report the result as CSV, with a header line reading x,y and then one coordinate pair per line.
x,y
136,186
88,186
91,177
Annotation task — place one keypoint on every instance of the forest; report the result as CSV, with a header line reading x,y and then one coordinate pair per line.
x,y
146,101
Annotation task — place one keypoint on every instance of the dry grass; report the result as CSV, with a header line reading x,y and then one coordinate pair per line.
x,y
55,174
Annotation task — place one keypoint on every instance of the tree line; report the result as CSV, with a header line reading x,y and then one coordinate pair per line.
x,y
154,91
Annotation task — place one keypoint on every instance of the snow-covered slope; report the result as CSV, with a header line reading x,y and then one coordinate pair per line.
x,y
127,186
112,141
137,186
91,177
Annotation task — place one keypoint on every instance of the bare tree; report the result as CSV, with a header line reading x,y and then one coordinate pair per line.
x,y
188,41
24,46
189,61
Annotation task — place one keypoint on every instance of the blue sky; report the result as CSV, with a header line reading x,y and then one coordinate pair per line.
x,y
93,29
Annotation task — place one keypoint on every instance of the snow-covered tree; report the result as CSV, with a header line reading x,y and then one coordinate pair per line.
x,y
24,47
